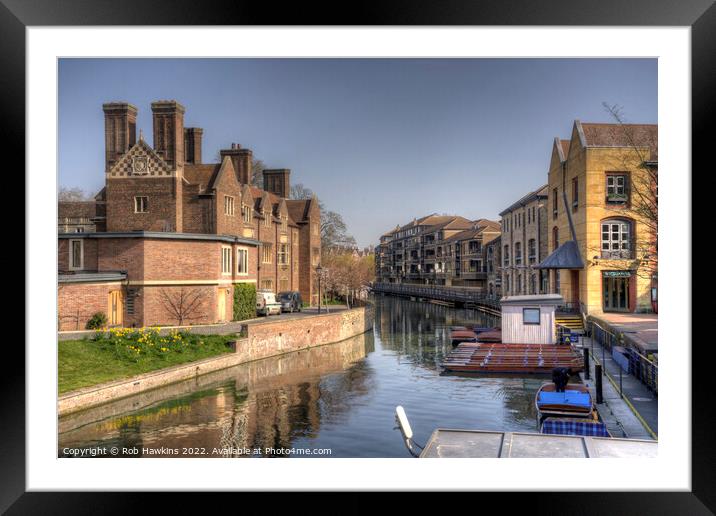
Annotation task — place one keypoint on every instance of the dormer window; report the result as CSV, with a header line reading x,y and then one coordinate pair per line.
x,y
228,205
246,213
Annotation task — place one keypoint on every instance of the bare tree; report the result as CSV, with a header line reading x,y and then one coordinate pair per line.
x,y
257,173
643,191
334,232
347,273
298,191
72,193
184,304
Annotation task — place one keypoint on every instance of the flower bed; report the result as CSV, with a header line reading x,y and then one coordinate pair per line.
x,y
136,344
124,352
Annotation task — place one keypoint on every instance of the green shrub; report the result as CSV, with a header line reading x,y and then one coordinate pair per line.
x,y
244,301
97,321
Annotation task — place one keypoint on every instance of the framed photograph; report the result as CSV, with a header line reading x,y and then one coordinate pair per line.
x,y
248,240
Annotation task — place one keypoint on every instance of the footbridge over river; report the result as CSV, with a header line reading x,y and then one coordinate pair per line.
x,y
468,297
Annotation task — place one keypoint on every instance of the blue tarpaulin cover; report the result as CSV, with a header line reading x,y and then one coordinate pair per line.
x,y
574,398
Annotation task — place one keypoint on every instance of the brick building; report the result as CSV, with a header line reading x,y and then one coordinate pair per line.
x,y
524,245
602,186
436,250
168,228
493,259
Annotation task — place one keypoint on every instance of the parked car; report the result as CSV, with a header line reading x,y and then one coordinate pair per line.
x,y
266,303
290,301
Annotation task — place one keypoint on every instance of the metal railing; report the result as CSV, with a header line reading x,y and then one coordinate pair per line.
x,y
569,307
637,365
440,293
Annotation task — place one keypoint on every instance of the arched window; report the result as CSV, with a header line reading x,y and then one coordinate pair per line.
x,y
617,239
555,238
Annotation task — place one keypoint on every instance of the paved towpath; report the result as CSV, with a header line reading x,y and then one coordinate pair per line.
x,y
641,329
641,420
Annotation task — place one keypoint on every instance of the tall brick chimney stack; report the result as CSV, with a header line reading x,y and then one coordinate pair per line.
x,y
192,144
277,180
120,130
241,159
168,123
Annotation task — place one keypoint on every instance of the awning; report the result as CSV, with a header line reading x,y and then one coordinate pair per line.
x,y
566,256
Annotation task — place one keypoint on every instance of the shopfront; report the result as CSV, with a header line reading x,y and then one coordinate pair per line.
x,y
618,291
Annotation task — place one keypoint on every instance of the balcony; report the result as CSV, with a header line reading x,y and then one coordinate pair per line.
x,y
621,254
617,198
475,275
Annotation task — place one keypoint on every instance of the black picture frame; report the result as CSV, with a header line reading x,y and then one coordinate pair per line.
x,y
700,15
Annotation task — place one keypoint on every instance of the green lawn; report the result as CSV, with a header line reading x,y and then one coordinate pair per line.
x,y
82,363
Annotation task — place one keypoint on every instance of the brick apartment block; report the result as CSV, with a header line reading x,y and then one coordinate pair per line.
x,y
167,227
444,250
583,235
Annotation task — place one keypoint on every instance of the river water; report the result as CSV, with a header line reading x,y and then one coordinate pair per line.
x,y
336,400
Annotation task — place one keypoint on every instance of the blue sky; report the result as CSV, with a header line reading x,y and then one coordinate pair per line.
x,y
379,140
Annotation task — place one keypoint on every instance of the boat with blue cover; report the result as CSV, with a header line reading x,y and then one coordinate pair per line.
x,y
574,402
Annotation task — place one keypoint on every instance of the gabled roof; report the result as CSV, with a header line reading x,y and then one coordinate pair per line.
x,y
258,193
155,165
298,209
469,234
453,223
101,195
542,191
621,135
488,224
564,146
208,174
436,222
201,174
76,209
566,256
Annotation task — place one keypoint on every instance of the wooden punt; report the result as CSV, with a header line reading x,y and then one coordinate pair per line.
x,y
564,408
492,335
512,358
458,336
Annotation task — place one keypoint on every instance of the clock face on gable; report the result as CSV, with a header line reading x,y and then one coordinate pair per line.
x,y
140,165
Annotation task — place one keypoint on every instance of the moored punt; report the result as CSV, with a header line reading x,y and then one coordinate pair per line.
x,y
575,401
491,335
512,358
458,336
481,329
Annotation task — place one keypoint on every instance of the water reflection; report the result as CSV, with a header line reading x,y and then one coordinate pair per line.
x,y
262,404
339,397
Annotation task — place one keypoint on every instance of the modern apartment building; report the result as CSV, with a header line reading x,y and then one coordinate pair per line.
x,y
436,250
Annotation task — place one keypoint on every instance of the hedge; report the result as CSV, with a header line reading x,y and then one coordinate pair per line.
x,y
244,301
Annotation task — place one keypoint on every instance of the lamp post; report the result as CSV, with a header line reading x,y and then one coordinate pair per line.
x,y
319,270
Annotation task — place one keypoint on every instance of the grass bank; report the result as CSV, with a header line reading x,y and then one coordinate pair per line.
x,y
124,353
